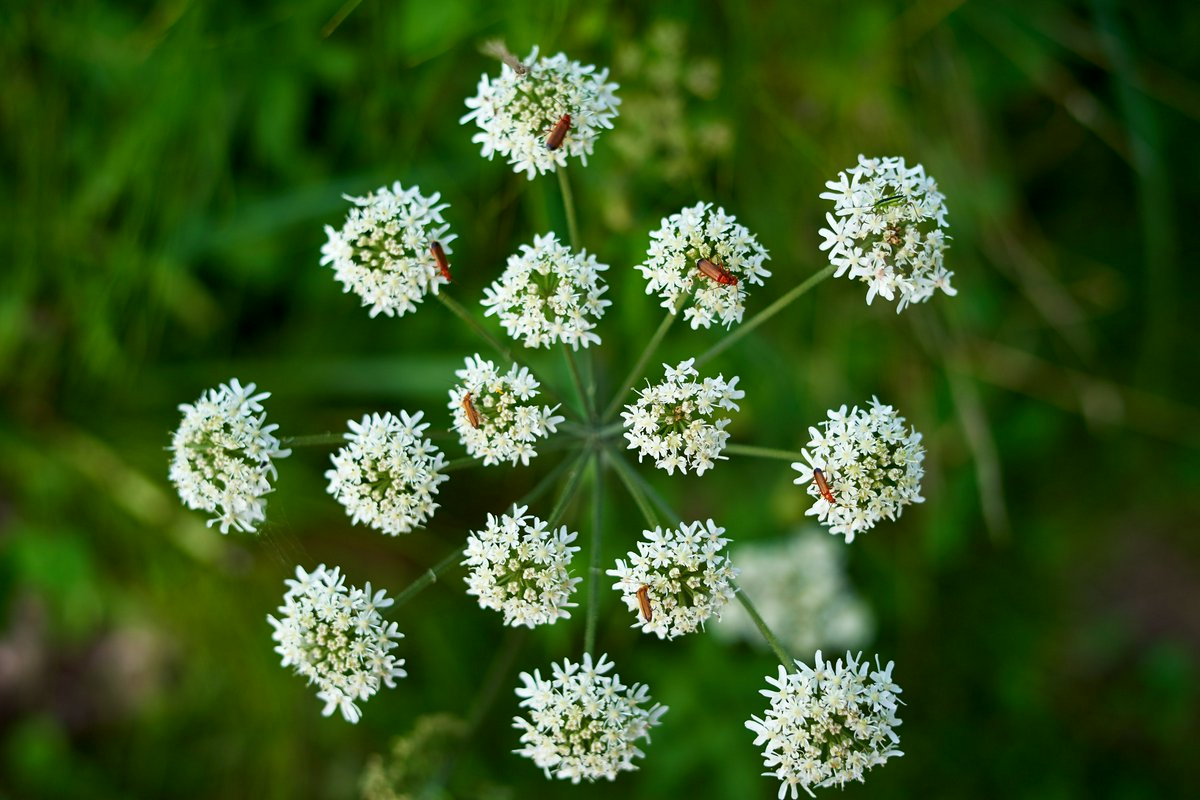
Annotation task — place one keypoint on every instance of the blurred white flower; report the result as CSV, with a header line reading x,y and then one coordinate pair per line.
x,y
828,724
223,453
872,465
799,586
548,294
517,566
505,424
387,474
671,268
676,422
516,113
382,252
685,573
334,636
888,231
583,723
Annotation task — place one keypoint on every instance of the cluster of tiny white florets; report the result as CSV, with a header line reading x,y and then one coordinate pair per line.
x,y
508,423
387,474
517,566
382,252
887,230
223,453
334,636
675,422
829,724
583,723
871,462
686,574
671,265
516,112
547,294
801,591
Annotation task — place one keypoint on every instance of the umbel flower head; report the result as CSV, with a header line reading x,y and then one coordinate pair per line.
x,y
871,463
583,723
386,475
493,414
382,252
334,636
517,112
517,566
733,257
685,574
223,453
827,724
676,422
548,294
800,589
889,230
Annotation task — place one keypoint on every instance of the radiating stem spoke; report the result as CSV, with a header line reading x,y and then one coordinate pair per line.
x,y
568,197
651,346
593,601
766,632
313,440
475,325
762,452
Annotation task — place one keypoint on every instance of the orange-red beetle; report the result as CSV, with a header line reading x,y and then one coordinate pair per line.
x,y
439,255
823,486
469,408
558,132
716,272
643,596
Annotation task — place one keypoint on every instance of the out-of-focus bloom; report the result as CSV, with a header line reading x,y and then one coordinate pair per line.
x,y
386,475
333,635
519,567
548,294
583,723
516,112
686,574
508,423
888,230
873,466
677,422
827,724
222,455
382,251
697,233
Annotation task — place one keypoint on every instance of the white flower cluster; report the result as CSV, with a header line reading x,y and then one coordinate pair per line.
x,y
888,230
382,253
829,724
508,424
872,465
686,576
387,474
334,636
584,723
517,112
222,455
548,294
671,268
517,566
675,422
800,589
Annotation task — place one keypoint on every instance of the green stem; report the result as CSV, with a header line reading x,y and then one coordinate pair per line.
x,y
574,478
585,404
626,474
652,345
475,325
569,206
313,440
461,463
762,452
758,319
429,576
766,632
593,601
626,470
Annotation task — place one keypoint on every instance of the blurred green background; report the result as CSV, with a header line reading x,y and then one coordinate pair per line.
x,y
167,169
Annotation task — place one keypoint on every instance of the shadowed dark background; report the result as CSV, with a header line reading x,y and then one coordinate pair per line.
x,y
168,168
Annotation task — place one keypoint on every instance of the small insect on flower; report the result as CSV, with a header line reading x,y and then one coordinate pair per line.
x,y
439,255
469,408
823,486
558,132
716,272
643,596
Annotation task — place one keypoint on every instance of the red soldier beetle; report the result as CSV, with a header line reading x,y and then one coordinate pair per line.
x,y
716,272
643,596
823,486
439,255
558,132
469,408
